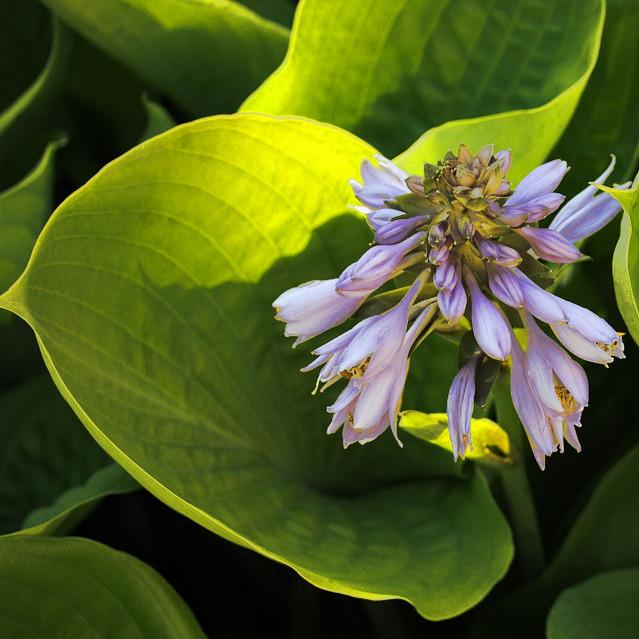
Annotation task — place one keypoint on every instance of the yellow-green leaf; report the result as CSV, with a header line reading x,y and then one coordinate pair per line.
x,y
150,293
625,263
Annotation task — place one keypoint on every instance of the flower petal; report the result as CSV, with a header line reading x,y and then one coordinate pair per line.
x,y
461,398
489,326
540,181
550,245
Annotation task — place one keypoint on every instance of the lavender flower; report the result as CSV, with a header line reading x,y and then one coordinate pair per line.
x,y
586,213
473,247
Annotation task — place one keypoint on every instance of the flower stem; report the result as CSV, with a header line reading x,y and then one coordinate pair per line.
x,y
530,555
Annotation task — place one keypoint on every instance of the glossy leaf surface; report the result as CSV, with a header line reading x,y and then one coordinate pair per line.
x,y
150,292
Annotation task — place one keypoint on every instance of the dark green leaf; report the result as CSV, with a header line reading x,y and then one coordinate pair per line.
x,y
607,119
603,606
33,54
73,587
51,471
207,56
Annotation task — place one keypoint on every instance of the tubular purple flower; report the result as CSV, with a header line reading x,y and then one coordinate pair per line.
x,y
586,349
586,214
377,266
497,253
350,352
382,389
439,254
447,273
540,181
505,286
370,404
589,324
312,308
560,383
591,218
585,196
382,183
452,300
532,211
379,218
538,302
550,245
461,399
452,303
587,335
398,230
375,196
544,206
491,330
529,408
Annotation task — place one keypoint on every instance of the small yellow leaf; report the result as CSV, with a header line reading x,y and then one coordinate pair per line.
x,y
490,441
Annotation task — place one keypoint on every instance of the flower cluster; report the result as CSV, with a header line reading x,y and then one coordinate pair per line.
x,y
466,245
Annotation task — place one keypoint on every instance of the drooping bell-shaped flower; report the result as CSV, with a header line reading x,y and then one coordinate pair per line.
x,y
560,382
313,308
489,325
378,265
587,212
461,400
371,401
472,247
349,354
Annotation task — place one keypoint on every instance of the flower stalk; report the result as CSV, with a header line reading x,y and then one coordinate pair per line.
x,y
530,555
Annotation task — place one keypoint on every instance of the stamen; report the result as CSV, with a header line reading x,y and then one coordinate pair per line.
x,y
356,371
568,402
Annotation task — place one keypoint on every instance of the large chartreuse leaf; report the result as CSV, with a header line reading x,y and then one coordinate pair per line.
x,y
33,53
74,587
625,263
607,119
604,606
390,70
150,293
603,537
23,210
207,55
51,471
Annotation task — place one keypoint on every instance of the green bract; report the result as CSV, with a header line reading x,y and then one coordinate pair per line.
x,y
73,587
150,293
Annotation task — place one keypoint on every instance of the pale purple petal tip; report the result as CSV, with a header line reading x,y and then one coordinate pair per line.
x,y
550,245
489,326
541,181
505,286
461,398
